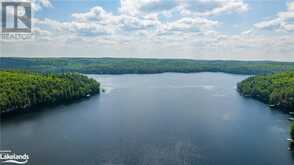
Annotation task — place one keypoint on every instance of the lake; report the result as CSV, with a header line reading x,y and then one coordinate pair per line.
x,y
165,119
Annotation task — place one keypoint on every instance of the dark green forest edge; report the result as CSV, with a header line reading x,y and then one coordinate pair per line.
x,y
139,65
277,90
24,90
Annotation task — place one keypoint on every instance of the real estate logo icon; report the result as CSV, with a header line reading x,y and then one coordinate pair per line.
x,y
22,14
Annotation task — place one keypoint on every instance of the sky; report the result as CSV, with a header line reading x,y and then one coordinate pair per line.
x,y
194,29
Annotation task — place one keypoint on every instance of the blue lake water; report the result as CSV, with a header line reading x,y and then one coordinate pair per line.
x,y
168,119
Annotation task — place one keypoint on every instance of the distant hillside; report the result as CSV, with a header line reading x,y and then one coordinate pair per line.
x,y
135,65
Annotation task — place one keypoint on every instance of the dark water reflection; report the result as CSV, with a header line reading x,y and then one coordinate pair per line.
x,y
168,119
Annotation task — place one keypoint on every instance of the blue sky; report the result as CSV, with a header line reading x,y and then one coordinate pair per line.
x,y
63,9
197,29
258,10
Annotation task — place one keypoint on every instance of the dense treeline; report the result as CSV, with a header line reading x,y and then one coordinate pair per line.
x,y
275,89
21,90
136,65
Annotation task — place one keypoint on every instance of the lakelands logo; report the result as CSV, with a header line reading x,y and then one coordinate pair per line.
x,y
8,157
16,20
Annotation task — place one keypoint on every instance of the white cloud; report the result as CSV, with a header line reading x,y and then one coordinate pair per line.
x,y
188,24
133,7
96,13
290,6
38,5
145,18
268,24
185,7
161,28
97,21
283,21
213,7
287,27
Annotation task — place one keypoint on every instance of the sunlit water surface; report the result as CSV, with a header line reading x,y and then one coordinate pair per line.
x,y
168,119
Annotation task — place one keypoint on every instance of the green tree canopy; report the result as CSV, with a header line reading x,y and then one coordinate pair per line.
x,y
21,90
275,89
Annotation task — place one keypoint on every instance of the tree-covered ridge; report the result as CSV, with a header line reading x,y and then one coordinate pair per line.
x,y
275,89
21,90
137,65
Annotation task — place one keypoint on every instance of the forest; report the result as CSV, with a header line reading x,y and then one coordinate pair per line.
x,y
141,65
21,90
277,89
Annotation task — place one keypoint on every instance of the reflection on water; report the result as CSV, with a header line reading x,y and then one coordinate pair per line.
x,y
154,119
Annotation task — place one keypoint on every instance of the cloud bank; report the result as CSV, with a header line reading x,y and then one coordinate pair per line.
x,y
160,29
